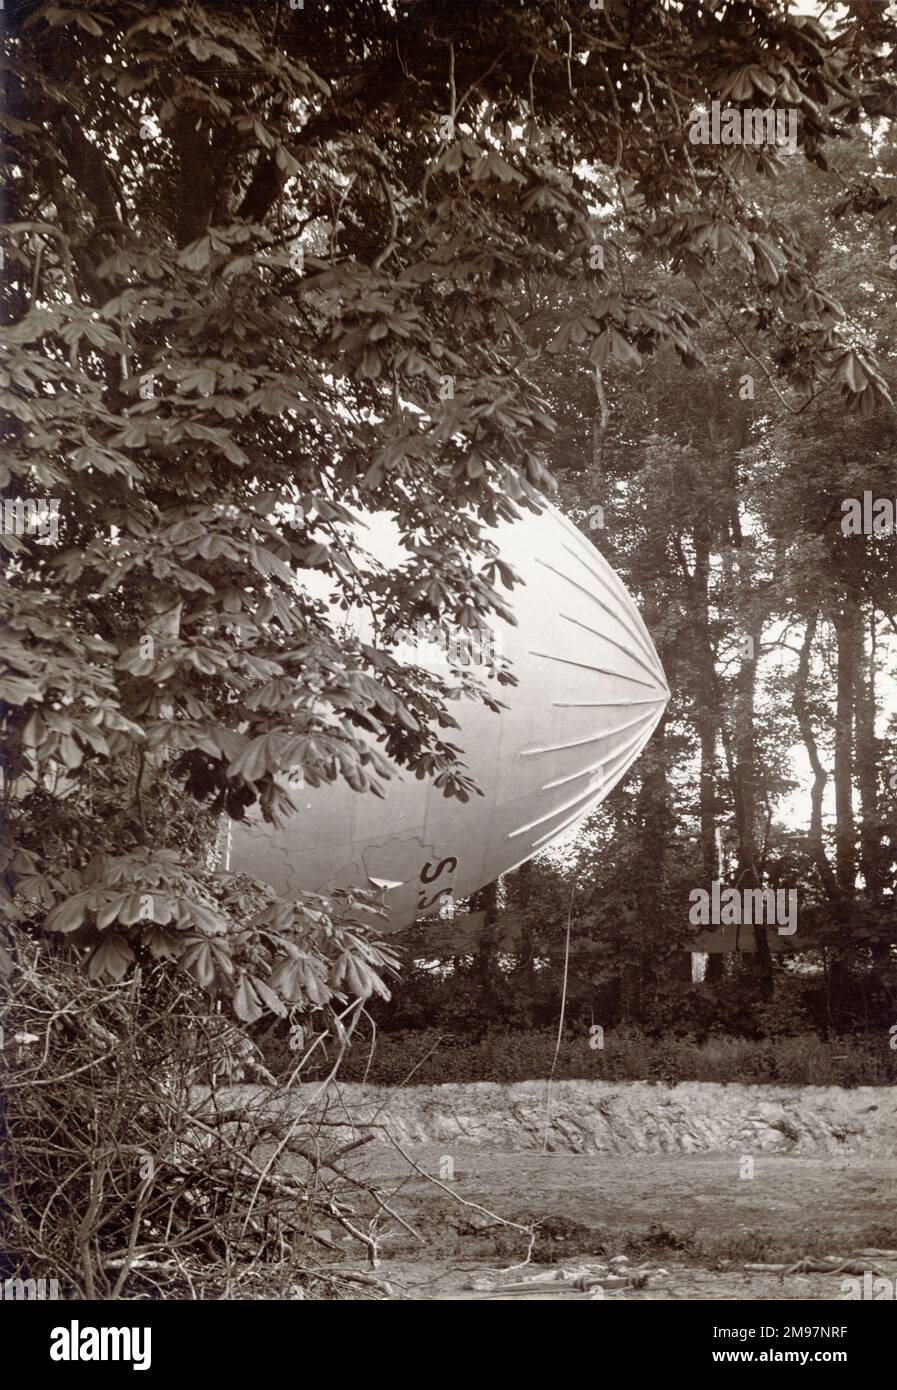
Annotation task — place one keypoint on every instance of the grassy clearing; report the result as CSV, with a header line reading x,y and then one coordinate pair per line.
x,y
672,1208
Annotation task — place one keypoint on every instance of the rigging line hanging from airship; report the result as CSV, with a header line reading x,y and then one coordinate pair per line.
x,y
590,692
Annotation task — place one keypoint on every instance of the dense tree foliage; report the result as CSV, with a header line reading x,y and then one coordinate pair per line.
x,y
721,499
265,266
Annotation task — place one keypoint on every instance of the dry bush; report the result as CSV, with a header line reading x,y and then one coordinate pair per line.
x,y
122,1175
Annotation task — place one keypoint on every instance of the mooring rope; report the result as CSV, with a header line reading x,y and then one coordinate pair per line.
x,y
557,1046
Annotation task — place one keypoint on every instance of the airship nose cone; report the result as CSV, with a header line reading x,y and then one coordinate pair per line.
x,y
590,691
593,658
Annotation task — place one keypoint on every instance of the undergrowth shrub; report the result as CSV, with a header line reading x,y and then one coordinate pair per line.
x,y
428,1057
125,1172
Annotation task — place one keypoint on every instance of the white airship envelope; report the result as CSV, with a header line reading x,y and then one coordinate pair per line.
x,y
590,692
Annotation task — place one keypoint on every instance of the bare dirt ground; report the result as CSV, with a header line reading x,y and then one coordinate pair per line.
x,y
693,1215
698,1180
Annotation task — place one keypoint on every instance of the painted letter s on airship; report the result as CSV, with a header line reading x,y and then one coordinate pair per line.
x,y
590,692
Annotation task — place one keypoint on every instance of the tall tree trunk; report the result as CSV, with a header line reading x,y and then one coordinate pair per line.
x,y
517,887
745,749
847,622
707,719
848,632
872,850
654,819
486,900
815,841
867,769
